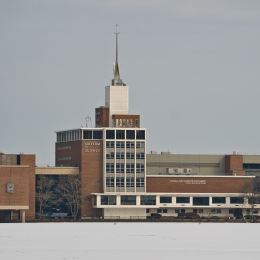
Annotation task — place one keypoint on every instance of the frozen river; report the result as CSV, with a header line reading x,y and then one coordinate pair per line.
x,y
130,241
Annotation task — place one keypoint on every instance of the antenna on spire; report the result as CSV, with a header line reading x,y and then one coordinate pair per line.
x,y
116,33
116,64
117,81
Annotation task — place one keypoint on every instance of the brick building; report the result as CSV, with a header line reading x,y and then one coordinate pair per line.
x,y
120,180
17,186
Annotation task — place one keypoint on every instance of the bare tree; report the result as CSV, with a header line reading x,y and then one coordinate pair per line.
x,y
45,196
251,193
69,191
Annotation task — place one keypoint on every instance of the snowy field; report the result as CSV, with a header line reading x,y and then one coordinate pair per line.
x,y
130,241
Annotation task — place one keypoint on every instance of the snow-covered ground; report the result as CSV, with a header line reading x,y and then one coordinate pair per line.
x,y
130,241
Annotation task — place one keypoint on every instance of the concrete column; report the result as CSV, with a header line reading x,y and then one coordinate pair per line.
x,y
210,201
118,200
98,198
23,215
157,200
137,200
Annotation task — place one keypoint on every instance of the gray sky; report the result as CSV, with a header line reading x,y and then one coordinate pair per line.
x,y
193,69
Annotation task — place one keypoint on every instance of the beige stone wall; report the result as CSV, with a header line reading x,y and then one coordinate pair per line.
x,y
199,163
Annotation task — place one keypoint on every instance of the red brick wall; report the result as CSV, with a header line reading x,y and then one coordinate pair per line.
x,y
20,177
91,174
102,119
196,184
125,117
233,162
91,168
30,160
74,153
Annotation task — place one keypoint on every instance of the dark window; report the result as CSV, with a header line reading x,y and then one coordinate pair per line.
x,y
130,155
120,168
87,134
120,182
218,211
139,168
165,199
140,144
110,155
110,168
108,200
236,200
128,200
231,211
195,210
110,182
254,166
140,134
18,161
130,182
120,155
147,210
201,201
200,210
97,135
148,200
182,210
130,134
253,200
219,200
130,167
110,134
140,156
159,211
120,144
110,144
182,199
139,182
176,210
130,144
120,134
165,210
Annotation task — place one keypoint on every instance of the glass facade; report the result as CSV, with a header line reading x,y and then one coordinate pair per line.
x,y
125,160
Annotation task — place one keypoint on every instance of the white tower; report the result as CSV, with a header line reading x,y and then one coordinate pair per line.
x,y
117,94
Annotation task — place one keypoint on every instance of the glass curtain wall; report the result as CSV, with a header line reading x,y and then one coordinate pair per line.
x,y
125,160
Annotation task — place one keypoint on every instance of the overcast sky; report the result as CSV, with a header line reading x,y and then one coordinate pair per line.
x,y
192,67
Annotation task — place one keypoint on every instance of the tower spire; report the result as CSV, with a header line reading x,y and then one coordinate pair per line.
x,y
117,44
117,81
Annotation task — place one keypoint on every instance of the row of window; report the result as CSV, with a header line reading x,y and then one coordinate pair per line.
x,y
98,134
128,134
215,211
151,200
122,155
205,200
126,200
63,147
64,158
120,168
253,166
122,144
120,182
68,136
